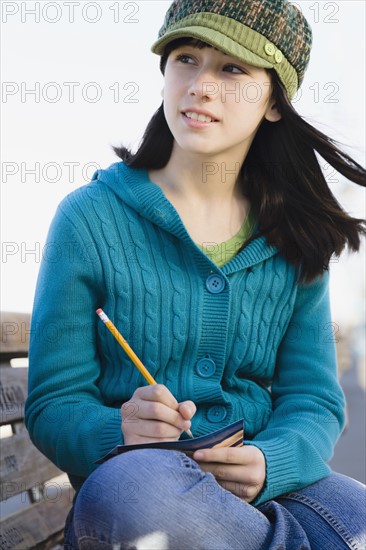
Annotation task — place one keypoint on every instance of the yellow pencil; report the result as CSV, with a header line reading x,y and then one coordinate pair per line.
x,y
132,355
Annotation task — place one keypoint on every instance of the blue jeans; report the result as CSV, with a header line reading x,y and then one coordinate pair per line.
x,y
157,499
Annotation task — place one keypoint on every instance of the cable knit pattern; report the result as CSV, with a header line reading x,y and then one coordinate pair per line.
x,y
238,339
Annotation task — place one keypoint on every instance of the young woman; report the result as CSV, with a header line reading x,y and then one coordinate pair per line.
x,y
209,248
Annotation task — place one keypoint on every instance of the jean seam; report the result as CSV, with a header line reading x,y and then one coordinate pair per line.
x,y
186,461
330,518
95,539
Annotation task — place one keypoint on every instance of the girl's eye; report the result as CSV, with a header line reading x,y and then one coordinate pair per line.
x,y
184,57
241,71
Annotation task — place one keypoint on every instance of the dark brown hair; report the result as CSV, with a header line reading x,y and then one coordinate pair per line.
x,y
291,201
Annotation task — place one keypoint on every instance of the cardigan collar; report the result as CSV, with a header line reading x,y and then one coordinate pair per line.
x,y
134,187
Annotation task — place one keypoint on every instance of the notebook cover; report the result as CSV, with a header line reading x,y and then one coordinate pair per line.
x,y
230,436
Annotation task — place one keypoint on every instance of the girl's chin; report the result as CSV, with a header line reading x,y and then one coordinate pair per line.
x,y
202,151
197,143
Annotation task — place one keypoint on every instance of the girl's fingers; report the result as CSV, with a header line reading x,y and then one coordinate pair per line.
x,y
233,472
225,472
246,456
152,414
157,392
153,410
151,430
187,409
156,402
244,491
237,469
228,455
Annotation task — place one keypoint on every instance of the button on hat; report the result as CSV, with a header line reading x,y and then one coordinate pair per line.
x,y
269,48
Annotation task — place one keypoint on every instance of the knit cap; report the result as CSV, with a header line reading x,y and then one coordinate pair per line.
x,y
264,33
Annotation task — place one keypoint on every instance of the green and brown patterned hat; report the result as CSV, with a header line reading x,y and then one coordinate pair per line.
x,y
265,33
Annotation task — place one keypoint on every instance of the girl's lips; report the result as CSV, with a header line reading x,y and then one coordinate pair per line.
x,y
196,123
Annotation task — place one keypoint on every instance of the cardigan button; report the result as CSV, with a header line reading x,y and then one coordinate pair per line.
x,y
217,413
215,284
205,367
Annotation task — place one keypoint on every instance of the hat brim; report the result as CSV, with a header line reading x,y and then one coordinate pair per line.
x,y
216,39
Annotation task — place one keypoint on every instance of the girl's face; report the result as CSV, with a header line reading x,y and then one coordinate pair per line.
x,y
235,94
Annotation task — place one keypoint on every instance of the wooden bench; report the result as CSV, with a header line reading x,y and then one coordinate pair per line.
x,y
35,495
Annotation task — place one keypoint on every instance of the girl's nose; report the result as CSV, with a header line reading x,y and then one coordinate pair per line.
x,y
204,84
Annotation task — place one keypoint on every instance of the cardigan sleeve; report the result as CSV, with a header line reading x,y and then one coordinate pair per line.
x,y
64,412
308,402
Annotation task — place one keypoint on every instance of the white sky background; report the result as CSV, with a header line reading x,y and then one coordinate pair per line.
x,y
115,53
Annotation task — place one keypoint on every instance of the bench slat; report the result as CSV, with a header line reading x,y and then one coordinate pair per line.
x,y
13,392
22,465
35,524
14,332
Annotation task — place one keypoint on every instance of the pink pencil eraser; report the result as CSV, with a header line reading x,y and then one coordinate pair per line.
x,y
99,311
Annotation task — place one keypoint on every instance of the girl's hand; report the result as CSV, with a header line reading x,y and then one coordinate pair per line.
x,y
241,470
153,414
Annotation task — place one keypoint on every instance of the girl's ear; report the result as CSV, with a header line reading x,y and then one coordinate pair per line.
x,y
272,114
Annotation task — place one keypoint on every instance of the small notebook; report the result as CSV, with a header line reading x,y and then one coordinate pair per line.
x,y
230,436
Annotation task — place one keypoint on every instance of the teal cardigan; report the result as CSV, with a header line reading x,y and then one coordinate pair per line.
x,y
244,340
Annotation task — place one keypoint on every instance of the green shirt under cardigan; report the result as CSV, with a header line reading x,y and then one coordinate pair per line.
x,y
240,340
221,253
